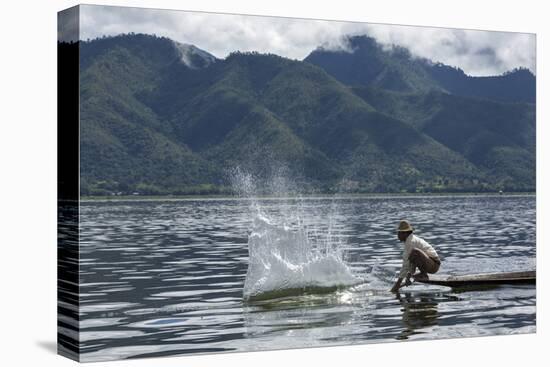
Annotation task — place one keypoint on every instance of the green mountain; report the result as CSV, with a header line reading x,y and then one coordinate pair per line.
x,y
124,145
161,117
497,137
368,63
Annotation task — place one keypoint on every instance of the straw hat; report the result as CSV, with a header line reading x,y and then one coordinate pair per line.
x,y
405,226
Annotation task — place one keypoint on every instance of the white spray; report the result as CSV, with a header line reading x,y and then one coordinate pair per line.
x,y
286,253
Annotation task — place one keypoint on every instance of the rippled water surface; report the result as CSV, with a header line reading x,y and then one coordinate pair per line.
x,y
165,277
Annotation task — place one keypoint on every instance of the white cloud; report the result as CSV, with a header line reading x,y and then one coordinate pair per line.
x,y
476,52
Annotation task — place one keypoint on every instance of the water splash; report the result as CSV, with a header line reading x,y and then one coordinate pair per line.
x,y
287,253
284,262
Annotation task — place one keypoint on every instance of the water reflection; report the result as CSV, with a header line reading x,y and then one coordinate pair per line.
x,y
419,312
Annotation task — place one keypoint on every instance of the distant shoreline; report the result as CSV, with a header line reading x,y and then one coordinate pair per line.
x,y
115,198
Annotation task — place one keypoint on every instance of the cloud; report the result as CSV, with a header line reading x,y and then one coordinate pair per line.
x,y
476,52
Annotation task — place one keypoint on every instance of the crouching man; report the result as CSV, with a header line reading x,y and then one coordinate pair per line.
x,y
417,254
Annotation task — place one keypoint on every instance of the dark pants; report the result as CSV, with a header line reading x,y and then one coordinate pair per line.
x,y
419,259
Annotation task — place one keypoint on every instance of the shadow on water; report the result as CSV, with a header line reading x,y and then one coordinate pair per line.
x,y
48,345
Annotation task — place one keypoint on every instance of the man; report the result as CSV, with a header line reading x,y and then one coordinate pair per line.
x,y
417,254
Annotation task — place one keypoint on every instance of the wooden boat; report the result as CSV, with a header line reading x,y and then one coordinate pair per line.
x,y
456,281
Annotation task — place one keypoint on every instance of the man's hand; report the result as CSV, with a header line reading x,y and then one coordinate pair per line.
x,y
397,285
408,282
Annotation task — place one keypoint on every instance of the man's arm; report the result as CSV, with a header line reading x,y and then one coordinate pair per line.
x,y
404,272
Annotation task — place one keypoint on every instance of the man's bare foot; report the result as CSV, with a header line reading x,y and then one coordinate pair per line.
x,y
420,276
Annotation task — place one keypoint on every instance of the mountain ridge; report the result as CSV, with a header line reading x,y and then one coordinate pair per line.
x,y
155,124
369,63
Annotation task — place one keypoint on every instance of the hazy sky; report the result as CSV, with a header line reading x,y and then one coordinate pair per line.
x,y
476,52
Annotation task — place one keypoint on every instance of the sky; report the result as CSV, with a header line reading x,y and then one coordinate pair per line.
x,y
476,52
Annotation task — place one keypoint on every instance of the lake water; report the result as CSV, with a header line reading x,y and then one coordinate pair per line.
x,y
166,277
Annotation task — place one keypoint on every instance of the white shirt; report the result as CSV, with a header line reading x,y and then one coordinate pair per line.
x,y
415,242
